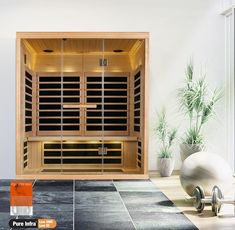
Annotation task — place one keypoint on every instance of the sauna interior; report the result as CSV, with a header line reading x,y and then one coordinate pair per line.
x,y
81,105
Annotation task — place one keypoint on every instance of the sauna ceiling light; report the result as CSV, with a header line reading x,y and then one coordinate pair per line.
x,y
48,51
118,51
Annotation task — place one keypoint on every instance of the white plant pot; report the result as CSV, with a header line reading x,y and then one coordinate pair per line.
x,y
186,150
166,166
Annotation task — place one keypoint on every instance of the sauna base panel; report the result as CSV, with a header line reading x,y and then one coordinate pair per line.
x,y
93,174
86,176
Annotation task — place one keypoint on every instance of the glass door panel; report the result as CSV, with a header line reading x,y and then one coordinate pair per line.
x,y
114,105
48,116
82,124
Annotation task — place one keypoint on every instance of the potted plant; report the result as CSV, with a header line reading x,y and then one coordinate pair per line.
x,y
197,102
166,136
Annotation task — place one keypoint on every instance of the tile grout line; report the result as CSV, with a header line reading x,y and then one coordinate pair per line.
x,y
73,204
34,182
125,206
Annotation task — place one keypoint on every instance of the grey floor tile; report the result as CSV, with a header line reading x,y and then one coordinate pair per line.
x,y
99,206
52,207
153,211
53,185
53,197
92,185
5,185
157,199
161,221
101,210
5,182
148,202
4,220
133,185
100,220
4,201
4,188
89,201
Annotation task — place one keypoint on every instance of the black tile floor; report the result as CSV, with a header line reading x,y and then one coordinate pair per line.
x,y
100,205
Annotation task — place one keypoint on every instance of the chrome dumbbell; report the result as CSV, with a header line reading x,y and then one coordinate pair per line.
x,y
199,199
218,200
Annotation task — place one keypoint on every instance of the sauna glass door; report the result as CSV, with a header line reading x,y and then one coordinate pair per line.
x,y
114,105
83,147
49,95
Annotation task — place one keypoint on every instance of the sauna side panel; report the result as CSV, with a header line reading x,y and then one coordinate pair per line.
x,y
35,155
129,156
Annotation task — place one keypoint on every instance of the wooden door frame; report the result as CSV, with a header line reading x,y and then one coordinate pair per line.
x,y
20,97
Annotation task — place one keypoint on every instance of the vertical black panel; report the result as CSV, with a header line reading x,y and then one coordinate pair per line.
x,y
139,153
137,101
25,155
28,101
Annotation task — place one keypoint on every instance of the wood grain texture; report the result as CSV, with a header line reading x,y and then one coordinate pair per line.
x,y
95,35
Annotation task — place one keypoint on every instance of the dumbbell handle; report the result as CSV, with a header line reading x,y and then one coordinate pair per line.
x,y
226,201
206,200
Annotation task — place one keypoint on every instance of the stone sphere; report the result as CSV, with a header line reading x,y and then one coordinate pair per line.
x,y
205,169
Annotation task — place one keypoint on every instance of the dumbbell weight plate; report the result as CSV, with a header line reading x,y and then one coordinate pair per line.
x,y
198,194
216,196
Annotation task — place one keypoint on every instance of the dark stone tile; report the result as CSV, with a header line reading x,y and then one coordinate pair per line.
x,y
53,185
98,205
148,201
153,210
53,197
135,185
142,197
83,185
161,221
101,210
52,207
4,220
100,220
5,189
5,183
4,201
89,201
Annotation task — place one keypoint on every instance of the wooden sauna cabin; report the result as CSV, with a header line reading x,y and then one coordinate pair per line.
x,y
82,105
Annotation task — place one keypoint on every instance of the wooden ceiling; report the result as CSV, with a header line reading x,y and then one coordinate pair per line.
x,y
79,46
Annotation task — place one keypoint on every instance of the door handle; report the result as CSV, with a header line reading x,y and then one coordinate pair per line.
x,y
102,151
105,151
73,106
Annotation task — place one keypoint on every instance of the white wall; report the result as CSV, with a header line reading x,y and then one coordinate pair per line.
x,y
225,4
179,29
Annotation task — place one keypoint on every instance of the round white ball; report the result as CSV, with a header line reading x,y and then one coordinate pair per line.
x,y
205,169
